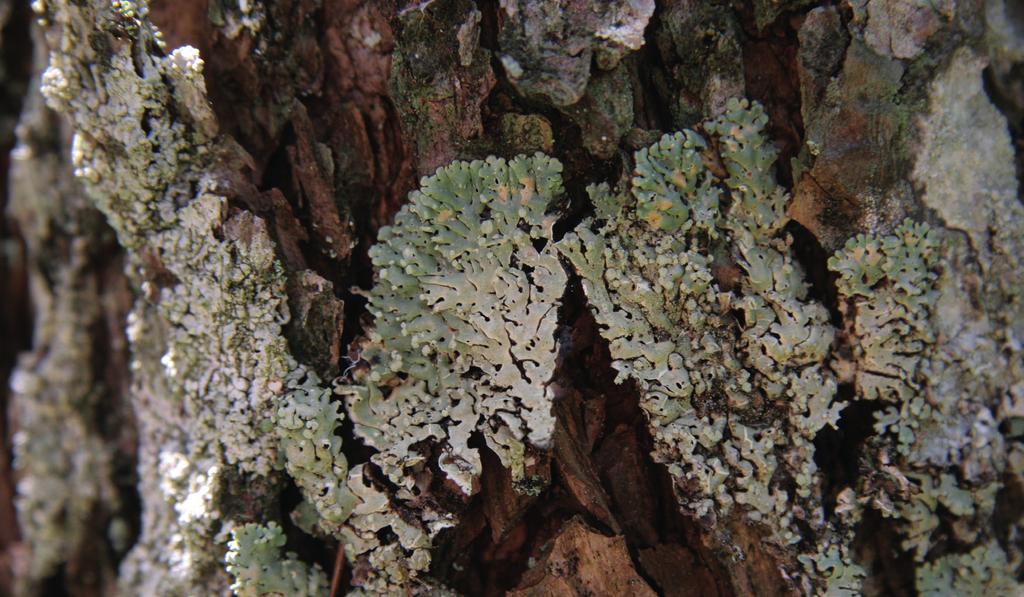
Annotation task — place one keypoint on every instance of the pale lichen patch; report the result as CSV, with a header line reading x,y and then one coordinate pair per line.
x,y
734,401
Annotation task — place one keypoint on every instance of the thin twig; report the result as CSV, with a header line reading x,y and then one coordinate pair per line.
x,y
339,568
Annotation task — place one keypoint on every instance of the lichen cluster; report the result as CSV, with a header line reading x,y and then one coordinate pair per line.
x,y
388,553
212,300
691,276
689,272
306,423
982,571
888,293
254,560
697,291
465,315
968,443
885,286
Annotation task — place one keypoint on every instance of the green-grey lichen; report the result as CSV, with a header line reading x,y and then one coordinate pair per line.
x,y
254,560
216,392
944,480
703,304
831,564
839,574
306,423
386,552
885,286
213,291
386,566
933,317
887,292
466,304
982,571
689,272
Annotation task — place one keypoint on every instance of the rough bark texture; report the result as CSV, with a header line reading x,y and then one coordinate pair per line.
x,y
186,266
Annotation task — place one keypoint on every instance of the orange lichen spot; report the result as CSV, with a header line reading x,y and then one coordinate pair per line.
x,y
654,218
527,193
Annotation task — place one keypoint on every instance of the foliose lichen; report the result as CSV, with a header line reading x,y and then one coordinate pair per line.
x,y
386,566
703,304
834,568
689,271
886,287
255,562
933,317
982,571
465,309
306,423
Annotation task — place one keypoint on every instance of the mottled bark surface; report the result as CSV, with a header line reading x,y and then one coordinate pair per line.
x,y
328,111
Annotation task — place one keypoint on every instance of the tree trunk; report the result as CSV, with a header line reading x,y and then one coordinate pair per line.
x,y
778,354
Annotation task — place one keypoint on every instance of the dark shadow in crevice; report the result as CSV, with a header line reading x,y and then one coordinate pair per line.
x,y
814,259
309,548
1006,92
655,95
17,51
877,547
1006,516
838,453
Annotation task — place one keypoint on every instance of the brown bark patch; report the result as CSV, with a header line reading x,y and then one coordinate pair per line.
x,y
582,562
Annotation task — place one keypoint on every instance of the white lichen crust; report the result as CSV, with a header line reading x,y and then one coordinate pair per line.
x,y
465,310
144,148
210,364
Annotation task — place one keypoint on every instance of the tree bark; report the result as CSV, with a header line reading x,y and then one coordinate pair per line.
x,y
187,240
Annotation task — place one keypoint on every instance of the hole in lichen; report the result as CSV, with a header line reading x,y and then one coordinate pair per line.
x,y
814,259
474,373
838,452
386,536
